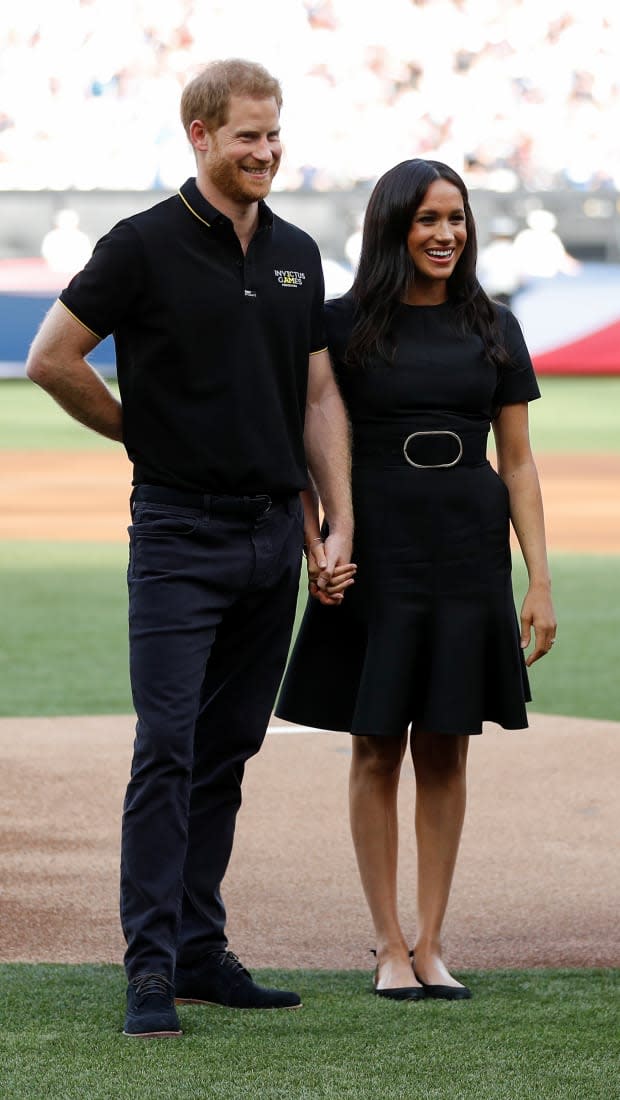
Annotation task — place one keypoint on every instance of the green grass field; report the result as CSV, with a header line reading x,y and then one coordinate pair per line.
x,y
575,414
548,1035
63,647
31,421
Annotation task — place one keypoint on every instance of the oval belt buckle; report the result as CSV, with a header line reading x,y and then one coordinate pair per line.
x,y
435,465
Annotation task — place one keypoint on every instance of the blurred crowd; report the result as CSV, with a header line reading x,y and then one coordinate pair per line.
x,y
513,93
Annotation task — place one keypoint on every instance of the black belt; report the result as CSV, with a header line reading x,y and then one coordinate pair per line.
x,y
424,449
255,504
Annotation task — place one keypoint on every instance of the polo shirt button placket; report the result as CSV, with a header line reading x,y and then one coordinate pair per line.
x,y
248,280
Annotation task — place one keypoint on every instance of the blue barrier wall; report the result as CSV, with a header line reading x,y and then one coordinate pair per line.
x,y
20,317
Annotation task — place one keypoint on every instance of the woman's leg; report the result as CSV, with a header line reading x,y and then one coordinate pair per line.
x,y
440,763
373,790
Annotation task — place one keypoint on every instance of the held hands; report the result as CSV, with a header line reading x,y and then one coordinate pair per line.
x,y
329,571
537,612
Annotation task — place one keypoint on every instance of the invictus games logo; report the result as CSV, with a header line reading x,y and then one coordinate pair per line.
x,y
290,278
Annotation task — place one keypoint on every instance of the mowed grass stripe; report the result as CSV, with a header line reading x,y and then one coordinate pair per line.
x,y
31,421
63,645
544,1033
575,414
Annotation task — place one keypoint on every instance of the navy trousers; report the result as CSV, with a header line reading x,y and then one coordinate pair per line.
x,y
212,596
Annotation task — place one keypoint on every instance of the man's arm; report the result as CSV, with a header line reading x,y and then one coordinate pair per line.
x,y
342,577
328,451
57,363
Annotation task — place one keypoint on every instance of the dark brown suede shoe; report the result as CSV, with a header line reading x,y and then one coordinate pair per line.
x,y
220,979
150,1009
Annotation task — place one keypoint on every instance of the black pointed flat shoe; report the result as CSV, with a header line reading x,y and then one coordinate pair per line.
x,y
403,993
445,992
400,993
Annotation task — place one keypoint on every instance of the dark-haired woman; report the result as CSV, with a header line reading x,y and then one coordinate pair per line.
x,y
426,645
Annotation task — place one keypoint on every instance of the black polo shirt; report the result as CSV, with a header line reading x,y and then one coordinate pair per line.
x,y
211,346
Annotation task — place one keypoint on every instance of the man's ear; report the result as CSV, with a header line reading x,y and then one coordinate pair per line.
x,y
199,135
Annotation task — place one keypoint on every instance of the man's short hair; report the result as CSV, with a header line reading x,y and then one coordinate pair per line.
x,y
207,96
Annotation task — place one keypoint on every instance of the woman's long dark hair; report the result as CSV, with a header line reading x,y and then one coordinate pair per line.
x,y
386,271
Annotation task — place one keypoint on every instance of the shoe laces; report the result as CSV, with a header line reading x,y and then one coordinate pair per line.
x,y
147,984
233,963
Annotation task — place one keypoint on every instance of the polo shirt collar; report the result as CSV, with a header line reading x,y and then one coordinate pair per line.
x,y
208,214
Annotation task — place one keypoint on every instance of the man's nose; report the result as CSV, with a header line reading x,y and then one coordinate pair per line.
x,y
262,150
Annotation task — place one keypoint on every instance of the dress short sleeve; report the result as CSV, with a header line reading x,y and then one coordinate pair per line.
x,y
517,381
338,326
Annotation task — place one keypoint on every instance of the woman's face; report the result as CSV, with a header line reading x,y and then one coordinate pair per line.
x,y
438,233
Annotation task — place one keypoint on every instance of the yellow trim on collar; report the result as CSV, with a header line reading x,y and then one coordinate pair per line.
x,y
192,211
91,330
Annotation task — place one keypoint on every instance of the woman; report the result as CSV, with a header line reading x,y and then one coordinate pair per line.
x,y
427,640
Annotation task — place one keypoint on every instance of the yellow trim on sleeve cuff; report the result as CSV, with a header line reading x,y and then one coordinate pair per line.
x,y
318,351
91,330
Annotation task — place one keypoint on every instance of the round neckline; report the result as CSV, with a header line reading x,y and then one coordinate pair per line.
x,y
414,305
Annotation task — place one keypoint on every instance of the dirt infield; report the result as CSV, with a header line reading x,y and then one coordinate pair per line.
x,y
63,495
537,883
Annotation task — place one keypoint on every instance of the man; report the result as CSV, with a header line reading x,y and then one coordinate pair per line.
x,y
226,389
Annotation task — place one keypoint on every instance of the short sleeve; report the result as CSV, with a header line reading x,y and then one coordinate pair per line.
x,y
338,325
105,291
318,339
517,380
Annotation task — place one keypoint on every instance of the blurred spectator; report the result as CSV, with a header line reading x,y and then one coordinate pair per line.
x,y
538,250
66,247
498,89
498,264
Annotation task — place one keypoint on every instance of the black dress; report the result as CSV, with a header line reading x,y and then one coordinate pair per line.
x,y
428,634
